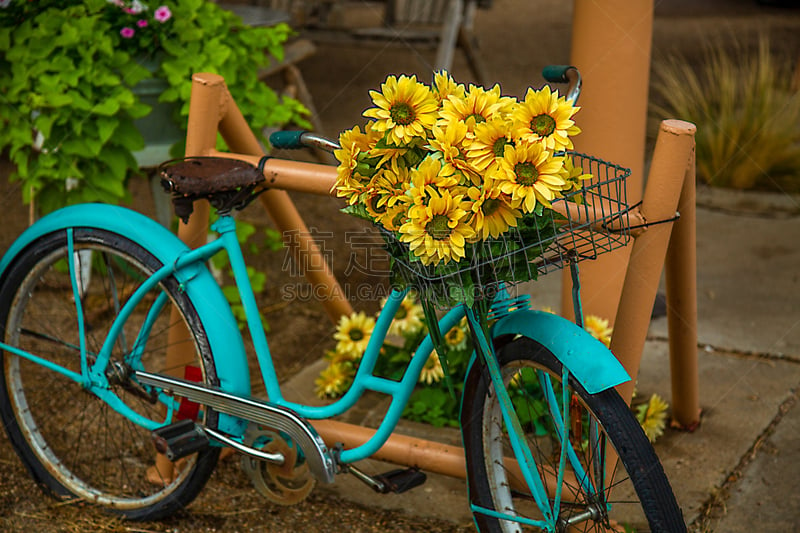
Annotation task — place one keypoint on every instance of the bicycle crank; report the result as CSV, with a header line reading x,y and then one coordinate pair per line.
x,y
317,456
284,484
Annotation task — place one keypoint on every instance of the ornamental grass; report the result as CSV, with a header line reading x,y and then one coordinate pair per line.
x,y
746,111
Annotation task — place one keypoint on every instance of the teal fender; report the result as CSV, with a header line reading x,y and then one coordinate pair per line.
x,y
592,364
212,307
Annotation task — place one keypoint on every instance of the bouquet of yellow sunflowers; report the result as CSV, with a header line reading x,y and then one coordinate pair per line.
x,y
461,179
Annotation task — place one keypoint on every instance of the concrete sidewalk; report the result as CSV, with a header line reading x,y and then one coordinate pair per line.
x,y
740,470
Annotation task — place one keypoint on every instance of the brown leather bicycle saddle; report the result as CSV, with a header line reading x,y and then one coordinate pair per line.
x,y
226,183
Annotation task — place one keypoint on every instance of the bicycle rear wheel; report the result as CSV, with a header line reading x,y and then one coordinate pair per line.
x,y
598,492
73,443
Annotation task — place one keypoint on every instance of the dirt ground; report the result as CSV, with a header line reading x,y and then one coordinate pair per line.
x,y
339,78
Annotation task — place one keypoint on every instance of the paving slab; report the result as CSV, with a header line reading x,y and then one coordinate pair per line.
x,y
767,497
740,397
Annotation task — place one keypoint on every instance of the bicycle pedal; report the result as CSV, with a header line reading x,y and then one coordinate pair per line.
x,y
402,480
180,439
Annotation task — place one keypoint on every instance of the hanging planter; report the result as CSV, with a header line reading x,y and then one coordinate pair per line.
x,y
159,128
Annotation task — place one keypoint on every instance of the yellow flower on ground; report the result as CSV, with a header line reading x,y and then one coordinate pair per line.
x,y
531,175
547,118
408,318
492,213
456,338
333,381
432,372
404,109
653,417
444,85
352,334
437,232
488,143
336,357
598,328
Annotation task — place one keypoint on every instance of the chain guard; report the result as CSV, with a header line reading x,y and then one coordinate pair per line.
x,y
286,484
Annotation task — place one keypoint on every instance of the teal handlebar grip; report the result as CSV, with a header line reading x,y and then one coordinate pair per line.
x,y
556,73
287,139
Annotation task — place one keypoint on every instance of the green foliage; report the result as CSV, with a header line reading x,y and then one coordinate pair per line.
x,y
746,112
66,89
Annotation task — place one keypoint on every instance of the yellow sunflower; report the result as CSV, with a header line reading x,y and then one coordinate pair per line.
x,y
488,143
333,381
652,417
547,118
574,176
598,328
352,334
444,85
350,184
531,175
437,231
408,318
432,371
451,141
492,212
456,338
404,109
395,216
386,189
477,106
335,357
429,177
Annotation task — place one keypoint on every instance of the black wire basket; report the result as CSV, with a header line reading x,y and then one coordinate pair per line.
x,y
582,225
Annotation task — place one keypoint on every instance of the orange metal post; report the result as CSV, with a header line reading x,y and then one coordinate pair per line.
x,y
611,41
673,153
681,281
218,112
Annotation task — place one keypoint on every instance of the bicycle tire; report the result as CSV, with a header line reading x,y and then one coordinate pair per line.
x,y
75,445
642,499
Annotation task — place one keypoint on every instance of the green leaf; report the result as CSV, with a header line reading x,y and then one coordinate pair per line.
x,y
106,127
107,107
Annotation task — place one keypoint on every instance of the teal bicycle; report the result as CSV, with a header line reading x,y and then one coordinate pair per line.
x,y
97,300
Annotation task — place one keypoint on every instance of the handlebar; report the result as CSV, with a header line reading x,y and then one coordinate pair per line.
x,y
564,74
293,140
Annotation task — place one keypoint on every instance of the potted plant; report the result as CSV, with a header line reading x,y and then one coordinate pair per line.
x,y
71,80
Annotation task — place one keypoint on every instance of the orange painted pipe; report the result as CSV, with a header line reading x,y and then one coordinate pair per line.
x,y
681,282
212,109
611,44
673,153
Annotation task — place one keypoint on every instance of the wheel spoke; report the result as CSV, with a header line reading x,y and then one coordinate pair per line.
x,y
67,435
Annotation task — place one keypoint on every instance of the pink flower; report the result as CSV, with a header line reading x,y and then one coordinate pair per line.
x,y
162,14
127,32
141,23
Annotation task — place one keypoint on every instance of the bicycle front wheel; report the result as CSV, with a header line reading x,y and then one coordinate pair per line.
x,y
606,477
73,443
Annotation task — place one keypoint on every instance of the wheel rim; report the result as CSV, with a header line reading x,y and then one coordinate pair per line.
x,y
589,513
90,450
